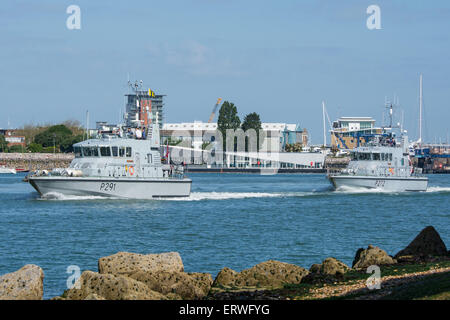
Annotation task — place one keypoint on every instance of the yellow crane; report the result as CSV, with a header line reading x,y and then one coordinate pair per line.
x,y
213,113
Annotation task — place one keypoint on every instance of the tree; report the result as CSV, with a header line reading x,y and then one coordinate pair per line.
x,y
3,144
34,147
252,121
58,135
15,149
296,147
228,119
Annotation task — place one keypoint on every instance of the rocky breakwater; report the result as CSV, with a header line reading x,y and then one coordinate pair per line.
x,y
132,276
161,276
27,283
36,161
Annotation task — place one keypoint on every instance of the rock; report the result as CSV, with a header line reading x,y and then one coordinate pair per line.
x,y
93,296
27,283
427,244
329,271
126,263
204,281
331,266
225,277
110,287
357,256
315,268
269,274
183,285
371,256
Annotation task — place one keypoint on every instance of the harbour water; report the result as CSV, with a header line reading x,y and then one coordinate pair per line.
x,y
233,220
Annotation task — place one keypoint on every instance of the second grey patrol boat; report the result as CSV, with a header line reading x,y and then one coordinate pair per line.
x,y
123,164
383,164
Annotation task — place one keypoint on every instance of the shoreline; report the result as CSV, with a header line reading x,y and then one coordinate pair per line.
x,y
420,271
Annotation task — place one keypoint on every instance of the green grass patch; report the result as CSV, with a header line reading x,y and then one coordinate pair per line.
x,y
431,287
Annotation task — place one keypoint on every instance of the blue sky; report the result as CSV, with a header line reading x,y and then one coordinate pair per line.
x,y
277,58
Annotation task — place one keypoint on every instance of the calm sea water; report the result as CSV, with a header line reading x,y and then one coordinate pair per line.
x,y
233,220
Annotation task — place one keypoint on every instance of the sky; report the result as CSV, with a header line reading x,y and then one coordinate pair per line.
x,y
280,59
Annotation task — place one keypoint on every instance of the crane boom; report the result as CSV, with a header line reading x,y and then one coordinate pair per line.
x,y
213,113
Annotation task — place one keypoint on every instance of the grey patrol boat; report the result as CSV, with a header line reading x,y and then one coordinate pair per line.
x,y
123,164
383,163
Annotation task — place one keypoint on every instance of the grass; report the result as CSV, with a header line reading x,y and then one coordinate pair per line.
x,y
431,287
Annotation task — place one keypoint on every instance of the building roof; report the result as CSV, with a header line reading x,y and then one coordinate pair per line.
x,y
356,119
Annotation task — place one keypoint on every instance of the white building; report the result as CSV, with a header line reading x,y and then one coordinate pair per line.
x,y
195,143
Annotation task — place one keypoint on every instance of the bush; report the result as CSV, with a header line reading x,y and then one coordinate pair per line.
x,y
50,150
35,147
16,148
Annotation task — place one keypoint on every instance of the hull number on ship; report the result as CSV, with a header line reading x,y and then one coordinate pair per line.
x,y
379,183
108,186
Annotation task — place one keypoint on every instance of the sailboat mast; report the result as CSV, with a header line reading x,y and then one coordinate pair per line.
x,y
324,128
420,109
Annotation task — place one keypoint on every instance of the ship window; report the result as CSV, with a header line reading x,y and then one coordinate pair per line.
x,y
94,151
402,161
376,156
87,152
105,151
149,158
114,151
122,152
128,151
390,156
364,156
77,151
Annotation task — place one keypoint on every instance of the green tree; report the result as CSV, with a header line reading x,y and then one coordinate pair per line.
x,y
16,149
228,119
58,135
3,144
34,147
252,121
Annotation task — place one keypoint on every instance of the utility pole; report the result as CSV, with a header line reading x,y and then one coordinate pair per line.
x,y
87,124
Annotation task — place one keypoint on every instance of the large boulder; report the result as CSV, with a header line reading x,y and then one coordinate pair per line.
x,y
426,244
179,284
330,270
110,287
126,263
27,283
269,274
371,256
330,267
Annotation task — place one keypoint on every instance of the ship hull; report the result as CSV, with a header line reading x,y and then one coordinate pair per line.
x,y
128,188
8,171
395,184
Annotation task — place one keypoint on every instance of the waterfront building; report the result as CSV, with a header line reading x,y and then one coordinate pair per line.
x,y
12,138
195,143
150,103
351,132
